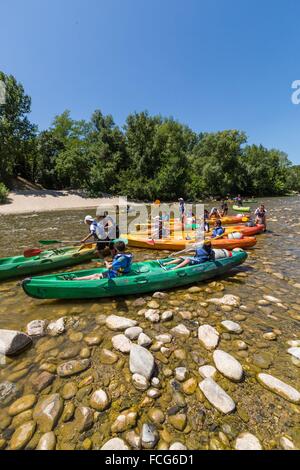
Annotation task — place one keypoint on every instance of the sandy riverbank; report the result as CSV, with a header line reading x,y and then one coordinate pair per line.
x,y
30,201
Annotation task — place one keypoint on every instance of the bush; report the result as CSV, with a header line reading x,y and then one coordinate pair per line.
x,y
3,193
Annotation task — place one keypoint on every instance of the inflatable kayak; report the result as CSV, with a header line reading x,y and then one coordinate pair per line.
x,y
147,276
178,244
241,209
45,261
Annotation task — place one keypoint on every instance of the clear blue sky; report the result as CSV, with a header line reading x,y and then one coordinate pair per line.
x,y
214,64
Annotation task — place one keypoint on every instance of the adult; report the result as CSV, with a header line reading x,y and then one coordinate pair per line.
x,y
261,216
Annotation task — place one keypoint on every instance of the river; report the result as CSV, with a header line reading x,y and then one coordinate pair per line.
x,y
176,408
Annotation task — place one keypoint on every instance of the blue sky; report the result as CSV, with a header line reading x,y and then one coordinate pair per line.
x,y
214,64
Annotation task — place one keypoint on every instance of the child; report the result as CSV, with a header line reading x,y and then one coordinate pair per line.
x,y
202,254
224,209
218,230
121,264
261,216
214,213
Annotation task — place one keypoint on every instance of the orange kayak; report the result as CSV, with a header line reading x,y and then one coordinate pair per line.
x,y
177,225
179,244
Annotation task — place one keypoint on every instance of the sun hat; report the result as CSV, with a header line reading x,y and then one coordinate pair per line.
x,y
88,218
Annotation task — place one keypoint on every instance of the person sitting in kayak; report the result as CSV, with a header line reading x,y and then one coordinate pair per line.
x,y
202,255
120,265
224,209
214,213
261,216
218,230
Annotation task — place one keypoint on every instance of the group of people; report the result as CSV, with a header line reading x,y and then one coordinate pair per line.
x,y
103,229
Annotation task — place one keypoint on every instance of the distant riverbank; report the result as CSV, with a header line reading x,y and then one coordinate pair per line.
x,y
30,201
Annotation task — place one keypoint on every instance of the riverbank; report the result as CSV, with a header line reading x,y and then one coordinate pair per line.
x,y
34,201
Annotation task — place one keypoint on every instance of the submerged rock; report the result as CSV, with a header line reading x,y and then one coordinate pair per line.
x,y
48,411
231,326
8,392
22,435
217,396
22,404
180,330
152,315
140,382
99,400
208,336
149,436
247,441
47,442
231,300
141,361
295,352
13,342
228,365
73,367
144,340
133,332
57,327
280,388
207,372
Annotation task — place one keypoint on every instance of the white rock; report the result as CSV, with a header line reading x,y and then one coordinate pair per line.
x,y
99,400
181,373
231,300
56,327
115,444
247,441
164,338
153,393
133,332
294,343
13,342
152,315
287,444
155,382
217,396
113,322
231,326
149,436
144,340
36,328
207,372
121,343
208,336
167,315
270,298
295,352
279,387
228,365
140,382
177,446
159,295
141,361
180,330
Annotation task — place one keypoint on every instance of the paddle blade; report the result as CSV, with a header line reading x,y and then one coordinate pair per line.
x,y
30,253
150,242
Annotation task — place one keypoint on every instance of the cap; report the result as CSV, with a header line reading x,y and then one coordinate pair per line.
x,y
88,218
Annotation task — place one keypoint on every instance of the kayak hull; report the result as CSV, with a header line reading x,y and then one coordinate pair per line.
x,y
181,244
19,266
241,209
176,224
145,277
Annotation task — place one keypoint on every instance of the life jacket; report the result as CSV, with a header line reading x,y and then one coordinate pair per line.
x,y
218,231
123,262
203,255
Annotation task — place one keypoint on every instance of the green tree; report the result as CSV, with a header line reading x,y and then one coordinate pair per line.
x,y
17,134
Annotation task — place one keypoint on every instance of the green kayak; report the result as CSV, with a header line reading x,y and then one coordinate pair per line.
x,y
47,260
250,201
241,209
147,276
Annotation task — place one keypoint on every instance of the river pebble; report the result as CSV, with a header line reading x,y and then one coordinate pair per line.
x,y
115,444
208,372
133,332
73,367
99,400
287,444
228,365
13,342
167,316
141,361
22,404
181,373
208,336
56,327
22,436
180,330
247,441
116,323
149,436
140,382
47,442
121,343
231,326
295,352
152,315
217,396
36,328
124,422
279,387
144,340
48,411
231,300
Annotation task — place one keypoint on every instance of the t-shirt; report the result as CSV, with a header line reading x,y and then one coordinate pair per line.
x,y
217,232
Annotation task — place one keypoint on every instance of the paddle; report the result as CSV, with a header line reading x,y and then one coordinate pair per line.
x,y
193,246
56,242
31,252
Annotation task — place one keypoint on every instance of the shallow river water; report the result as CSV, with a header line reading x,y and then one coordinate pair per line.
x,y
174,407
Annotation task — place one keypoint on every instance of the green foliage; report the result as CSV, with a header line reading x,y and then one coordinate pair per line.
x,y
3,193
150,158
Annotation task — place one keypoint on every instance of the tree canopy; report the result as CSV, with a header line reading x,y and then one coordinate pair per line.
x,y
150,157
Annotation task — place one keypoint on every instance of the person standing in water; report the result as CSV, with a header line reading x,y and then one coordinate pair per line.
x,y
261,216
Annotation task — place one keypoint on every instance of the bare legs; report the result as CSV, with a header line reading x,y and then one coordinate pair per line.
x,y
92,277
182,263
